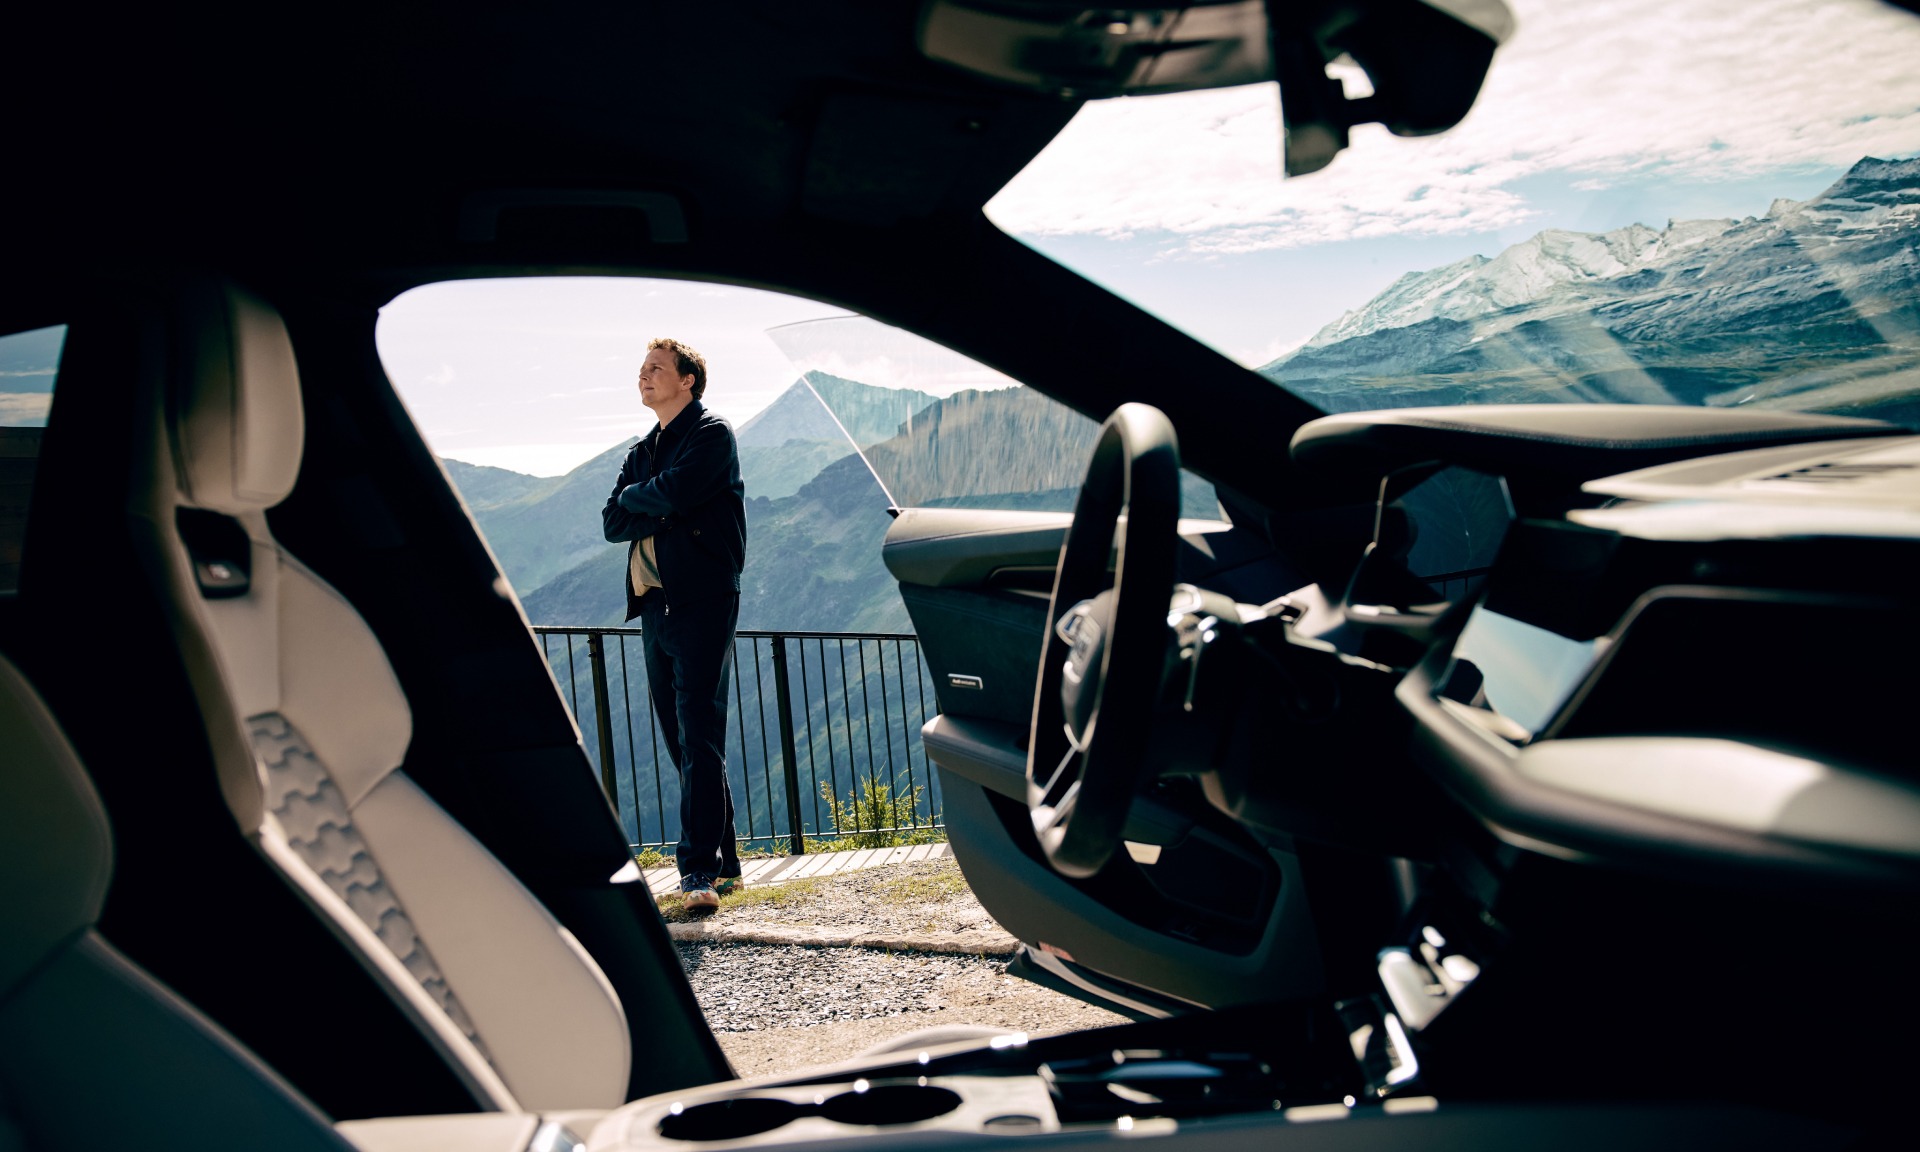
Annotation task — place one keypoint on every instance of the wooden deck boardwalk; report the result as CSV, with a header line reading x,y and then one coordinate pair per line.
x,y
777,869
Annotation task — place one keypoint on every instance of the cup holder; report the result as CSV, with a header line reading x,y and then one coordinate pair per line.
x,y
890,1104
745,1116
730,1119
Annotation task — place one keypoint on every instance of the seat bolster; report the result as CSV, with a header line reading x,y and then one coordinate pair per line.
x,y
549,1016
56,854
467,1061
336,685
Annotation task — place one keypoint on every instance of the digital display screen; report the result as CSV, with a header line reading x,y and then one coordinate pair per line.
x,y
1527,673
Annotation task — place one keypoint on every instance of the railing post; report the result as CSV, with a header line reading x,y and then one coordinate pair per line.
x,y
602,716
796,830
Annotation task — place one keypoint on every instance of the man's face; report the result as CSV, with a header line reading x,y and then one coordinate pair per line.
x,y
660,379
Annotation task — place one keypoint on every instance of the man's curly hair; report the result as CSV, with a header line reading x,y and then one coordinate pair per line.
x,y
686,361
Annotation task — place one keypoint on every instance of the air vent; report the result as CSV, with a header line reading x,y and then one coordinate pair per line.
x,y
1835,472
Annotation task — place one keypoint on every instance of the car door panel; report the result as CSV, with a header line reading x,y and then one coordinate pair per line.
x,y
1197,912
986,752
975,584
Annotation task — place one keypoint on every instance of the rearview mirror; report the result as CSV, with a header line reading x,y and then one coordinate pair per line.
x,y
1425,59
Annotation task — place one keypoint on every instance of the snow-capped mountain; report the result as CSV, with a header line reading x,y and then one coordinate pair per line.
x,y
1523,273
1815,304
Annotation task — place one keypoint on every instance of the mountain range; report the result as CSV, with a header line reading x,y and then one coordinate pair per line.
x,y
793,438
1813,306
815,514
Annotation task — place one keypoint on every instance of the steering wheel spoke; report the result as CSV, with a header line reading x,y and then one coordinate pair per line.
x,y
1064,774
1051,821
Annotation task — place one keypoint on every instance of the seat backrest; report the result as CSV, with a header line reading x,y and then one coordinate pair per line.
x,y
309,729
93,1052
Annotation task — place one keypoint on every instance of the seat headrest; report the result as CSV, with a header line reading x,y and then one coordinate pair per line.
x,y
234,412
56,852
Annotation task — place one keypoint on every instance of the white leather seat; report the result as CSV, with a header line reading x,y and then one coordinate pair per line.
x,y
309,728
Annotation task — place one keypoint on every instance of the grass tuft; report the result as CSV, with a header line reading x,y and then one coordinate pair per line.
x,y
926,888
786,893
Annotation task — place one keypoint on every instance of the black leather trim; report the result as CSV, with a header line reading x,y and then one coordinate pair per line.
x,y
964,546
986,752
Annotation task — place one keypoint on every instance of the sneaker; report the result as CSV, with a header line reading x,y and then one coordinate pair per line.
x,y
728,885
697,895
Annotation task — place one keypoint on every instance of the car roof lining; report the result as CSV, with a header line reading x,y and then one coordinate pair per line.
x,y
351,139
811,150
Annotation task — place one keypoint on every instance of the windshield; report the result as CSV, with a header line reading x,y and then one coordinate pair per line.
x,y
1710,204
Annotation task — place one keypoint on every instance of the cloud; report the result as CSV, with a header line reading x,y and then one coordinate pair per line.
x,y
1270,351
25,409
1629,89
862,349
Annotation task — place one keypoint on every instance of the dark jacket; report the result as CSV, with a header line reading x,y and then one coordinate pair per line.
x,y
681,486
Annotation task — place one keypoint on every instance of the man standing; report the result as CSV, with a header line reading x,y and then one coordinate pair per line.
x,y
680,502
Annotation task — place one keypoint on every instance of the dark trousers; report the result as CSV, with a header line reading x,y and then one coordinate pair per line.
x,y
688,643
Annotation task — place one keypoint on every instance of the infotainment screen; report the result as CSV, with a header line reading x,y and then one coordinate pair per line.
x,y
1526,673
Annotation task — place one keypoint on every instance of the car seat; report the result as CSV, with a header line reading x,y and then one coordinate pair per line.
x,y
309,728
95,1053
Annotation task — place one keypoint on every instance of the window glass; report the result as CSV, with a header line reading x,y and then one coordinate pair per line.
x,y
1649,203
939,430
29,363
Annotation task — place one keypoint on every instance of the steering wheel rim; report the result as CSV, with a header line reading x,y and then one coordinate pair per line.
x,y
1087,754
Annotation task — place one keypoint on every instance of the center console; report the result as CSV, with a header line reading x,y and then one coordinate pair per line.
x,y
1133,1080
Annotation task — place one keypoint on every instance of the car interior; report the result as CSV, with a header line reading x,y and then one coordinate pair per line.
x,y
1483,776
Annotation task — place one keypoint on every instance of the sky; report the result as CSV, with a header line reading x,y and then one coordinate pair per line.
x,y
1595,115
538,376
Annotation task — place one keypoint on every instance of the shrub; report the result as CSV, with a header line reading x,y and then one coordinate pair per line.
x,y
876,818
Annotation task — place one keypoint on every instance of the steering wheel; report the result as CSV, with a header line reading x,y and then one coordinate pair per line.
x,y
1104,658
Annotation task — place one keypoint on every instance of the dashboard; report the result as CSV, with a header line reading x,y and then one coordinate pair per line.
x,y
1606,696
1680,656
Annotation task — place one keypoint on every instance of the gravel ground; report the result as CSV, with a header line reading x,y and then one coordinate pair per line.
x,y
777,1009
756,987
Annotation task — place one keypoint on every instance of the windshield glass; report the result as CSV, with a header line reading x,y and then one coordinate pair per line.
x,y
936,429
1714,203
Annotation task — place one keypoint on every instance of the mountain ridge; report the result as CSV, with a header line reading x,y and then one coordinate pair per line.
x,y
1872,194
869,413
815,516
1766,310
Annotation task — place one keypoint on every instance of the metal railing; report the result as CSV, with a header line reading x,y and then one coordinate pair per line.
x,y
818,722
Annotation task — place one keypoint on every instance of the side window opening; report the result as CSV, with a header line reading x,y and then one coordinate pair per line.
x,y
526,389
29,365
528,392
